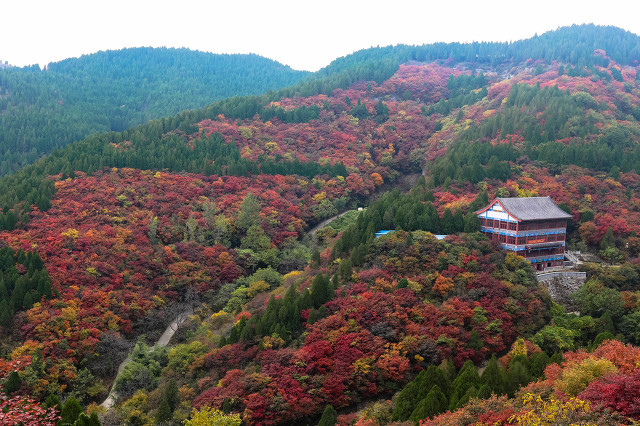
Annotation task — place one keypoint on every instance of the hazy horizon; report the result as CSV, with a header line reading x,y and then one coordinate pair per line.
x,y
303,37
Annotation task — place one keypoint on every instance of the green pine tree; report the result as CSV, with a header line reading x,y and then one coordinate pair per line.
x,y
248,212
605,323
84,420
458,221
6,315
227,406
345,270
467,377
448,368
517,376
494,377
329,416
4,294
472,223
601,337
320,290
453,401
556,358
313,316
13,383
427,379
475,341
171,394
447,225
472,392
434,403
538,363
164,412
70,411
406,402
484,392
53,401
608,241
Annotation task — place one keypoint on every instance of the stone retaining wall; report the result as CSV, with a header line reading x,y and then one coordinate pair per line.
x,y
562,284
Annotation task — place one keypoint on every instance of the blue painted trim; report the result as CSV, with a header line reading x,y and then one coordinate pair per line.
x,y
545,259
519,234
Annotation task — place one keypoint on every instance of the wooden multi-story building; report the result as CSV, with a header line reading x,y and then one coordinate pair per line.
x,y
534,227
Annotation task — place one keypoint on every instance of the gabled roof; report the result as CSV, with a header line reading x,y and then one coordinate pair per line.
x,y
530,208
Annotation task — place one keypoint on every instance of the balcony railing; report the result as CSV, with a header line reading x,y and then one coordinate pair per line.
x,y
546,258
549,231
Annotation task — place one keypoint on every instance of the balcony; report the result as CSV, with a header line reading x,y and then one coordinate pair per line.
x,y
547,258
544,245
549,231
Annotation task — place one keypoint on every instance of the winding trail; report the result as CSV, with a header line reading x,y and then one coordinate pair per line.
x,y
324,223
162,341
171,329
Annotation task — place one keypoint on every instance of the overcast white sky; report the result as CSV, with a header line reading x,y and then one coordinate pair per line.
x,y
303,34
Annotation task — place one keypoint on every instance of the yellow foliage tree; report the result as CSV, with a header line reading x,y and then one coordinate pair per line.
x,y
207,416
576,377
257,287
271,147
541,412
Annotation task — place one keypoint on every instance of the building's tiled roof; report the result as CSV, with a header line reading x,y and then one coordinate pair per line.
x,y
533,208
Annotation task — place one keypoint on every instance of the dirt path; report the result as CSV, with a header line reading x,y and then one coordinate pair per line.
x,y
312,231
162,341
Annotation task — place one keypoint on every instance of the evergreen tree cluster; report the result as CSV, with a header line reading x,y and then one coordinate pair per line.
x,y
71,413
329,416
550,104
20,290
574,45
282,317
473,162
439,388
341,75
41,110
169,402
157,145
473,159
302,114
409,212
462,91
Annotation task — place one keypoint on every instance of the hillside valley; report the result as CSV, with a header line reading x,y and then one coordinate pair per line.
x,y
106,240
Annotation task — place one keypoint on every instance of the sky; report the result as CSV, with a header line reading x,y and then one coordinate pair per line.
x,y
302,34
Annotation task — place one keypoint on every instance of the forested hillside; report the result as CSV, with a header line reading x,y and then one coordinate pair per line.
x,y
41,110
111,237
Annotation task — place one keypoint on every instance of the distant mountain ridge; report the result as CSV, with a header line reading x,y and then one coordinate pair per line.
x,y
41,110
581,48
114,90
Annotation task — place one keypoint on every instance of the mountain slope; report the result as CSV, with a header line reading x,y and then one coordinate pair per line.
x,y
211,206
114,90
